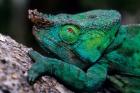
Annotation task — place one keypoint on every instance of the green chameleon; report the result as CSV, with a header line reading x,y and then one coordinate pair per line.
x,y
91,47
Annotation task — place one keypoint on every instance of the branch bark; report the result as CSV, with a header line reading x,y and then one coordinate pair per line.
x,y
14,64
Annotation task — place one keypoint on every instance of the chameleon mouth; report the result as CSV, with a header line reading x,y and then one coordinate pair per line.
x,y
34,30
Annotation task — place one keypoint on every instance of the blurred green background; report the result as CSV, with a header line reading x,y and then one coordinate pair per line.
x,y
14,21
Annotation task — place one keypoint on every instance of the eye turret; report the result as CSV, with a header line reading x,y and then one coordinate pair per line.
x,y
69,34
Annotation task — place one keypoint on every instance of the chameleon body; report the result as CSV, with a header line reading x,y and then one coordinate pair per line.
x,y
91,47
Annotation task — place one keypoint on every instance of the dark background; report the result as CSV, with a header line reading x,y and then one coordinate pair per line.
x,y
14,21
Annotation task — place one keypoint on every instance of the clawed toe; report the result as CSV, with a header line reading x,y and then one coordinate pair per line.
x,y
35,55
30,80
32,76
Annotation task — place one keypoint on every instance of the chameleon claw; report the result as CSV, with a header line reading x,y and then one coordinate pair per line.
x,y
32,76
35,55
30,80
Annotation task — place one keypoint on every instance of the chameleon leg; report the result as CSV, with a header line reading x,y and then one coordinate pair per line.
x,y
125,84
70,74
127,78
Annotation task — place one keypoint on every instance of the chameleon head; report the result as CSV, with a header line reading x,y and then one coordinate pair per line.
x,y
86,35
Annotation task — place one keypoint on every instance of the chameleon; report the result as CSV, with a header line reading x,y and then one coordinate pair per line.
x,y
90,48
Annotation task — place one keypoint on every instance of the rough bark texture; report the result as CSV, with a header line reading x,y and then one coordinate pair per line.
x,y
14,64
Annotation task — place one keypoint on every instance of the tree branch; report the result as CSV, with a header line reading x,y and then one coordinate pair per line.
x,y
14,64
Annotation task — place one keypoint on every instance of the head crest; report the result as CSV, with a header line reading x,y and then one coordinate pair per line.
x,y
38,18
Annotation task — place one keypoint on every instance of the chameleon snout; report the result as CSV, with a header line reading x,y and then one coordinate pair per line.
x,y
38,18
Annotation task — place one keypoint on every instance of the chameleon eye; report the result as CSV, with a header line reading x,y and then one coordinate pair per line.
x,y
69,33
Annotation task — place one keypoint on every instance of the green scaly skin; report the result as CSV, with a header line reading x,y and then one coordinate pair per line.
x,y
90,46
